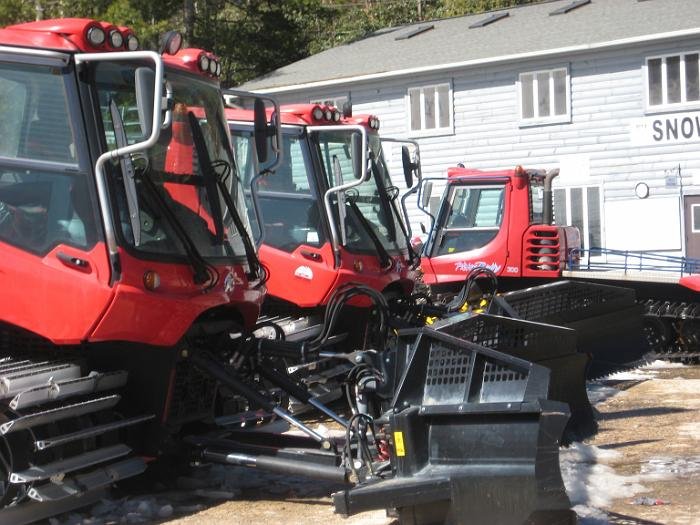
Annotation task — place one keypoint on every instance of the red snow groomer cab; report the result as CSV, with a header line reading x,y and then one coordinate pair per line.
x,y
124,250
329,210
498,220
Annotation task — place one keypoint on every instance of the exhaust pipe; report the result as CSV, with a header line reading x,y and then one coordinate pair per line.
x,y
548,203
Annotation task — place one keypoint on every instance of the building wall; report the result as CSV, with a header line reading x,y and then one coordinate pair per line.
x,y
600,146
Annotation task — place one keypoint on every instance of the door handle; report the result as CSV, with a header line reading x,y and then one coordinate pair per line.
x,y
311,255
73,262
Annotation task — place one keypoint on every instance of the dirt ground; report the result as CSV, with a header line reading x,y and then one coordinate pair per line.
x,y
648,439
654,425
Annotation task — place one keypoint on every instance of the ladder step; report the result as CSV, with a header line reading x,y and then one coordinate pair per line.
x,y
19,380
8,364
83,483
57,414
31,512
53,391
64,466
90,432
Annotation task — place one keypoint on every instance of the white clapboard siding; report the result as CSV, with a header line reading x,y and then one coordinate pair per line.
x,y
607,97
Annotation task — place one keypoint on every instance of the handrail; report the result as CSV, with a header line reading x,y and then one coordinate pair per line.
x,y
630,260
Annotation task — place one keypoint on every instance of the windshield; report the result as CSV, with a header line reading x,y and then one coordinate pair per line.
x,y
369,206
178,177
289,204
472,218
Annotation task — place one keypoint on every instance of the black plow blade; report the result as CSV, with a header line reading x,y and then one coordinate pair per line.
x,y
607,320
474,440
551,346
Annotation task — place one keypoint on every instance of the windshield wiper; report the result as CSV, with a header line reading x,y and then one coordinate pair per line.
x,y
391,211
382,254
212,181
385,203
127,166
202,273
209,177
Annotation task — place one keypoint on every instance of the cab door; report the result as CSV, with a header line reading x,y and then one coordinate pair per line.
x,y
54,273
470,233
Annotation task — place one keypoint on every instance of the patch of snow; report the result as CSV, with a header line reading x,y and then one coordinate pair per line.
x,y
659,364
591,484
666,467
631,375
597,393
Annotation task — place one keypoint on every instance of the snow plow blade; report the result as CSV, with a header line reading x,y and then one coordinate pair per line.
x,y
551,346
607,320
474,440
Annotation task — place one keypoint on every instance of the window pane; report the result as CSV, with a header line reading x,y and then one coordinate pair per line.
x,y
691,77
673,79
577,213
560,92
594,227
37,126
655,96
543,94
414,101
445,110
429,97
528,111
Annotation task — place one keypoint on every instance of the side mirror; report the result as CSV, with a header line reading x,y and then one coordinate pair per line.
x,y
260,130
408,166
358,163
145,84
425,195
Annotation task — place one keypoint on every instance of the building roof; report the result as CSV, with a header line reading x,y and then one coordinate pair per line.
x,y
527,31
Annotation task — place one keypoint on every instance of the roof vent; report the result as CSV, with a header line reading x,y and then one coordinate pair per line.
x,y
413,32
489,20
569,7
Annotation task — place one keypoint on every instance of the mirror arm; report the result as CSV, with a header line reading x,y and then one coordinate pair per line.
x,y
342,187
102,191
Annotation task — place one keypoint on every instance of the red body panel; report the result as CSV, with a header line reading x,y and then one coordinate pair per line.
x,y
306,276
161,317
691,282
50,298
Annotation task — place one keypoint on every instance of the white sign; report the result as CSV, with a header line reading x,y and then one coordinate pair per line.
x,y
651,224
674,128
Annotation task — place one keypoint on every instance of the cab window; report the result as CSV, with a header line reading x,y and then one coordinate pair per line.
x,y
44,198
473,218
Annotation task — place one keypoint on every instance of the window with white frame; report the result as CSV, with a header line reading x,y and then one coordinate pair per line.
x,y
544,96
673,80
430,109
695,210
581,207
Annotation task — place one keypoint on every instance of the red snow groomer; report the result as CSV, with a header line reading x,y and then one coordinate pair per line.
x,y
504,221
